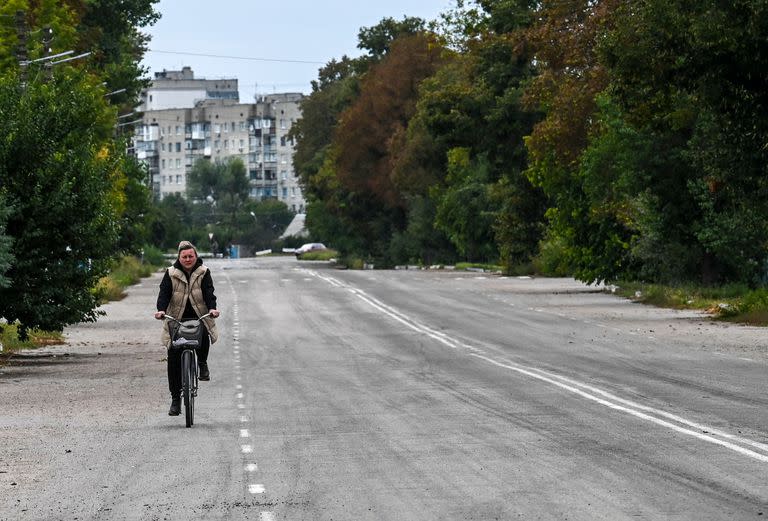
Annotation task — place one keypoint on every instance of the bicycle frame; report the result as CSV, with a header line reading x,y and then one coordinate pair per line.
x,y
189,376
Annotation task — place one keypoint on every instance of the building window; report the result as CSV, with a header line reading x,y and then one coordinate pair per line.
x,y
162,163
178,130
178,163
178,179
285,193
178,147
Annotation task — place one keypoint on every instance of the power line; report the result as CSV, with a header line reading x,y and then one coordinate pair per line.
x,y
235,57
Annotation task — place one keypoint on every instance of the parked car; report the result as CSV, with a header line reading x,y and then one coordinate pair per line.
x,y
310,246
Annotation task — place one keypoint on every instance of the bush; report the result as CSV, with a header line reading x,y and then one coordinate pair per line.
x,y
108,289
153,256
477,265
323,255
552,258
128,271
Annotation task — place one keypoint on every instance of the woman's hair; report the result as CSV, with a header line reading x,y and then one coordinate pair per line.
x,y
186,245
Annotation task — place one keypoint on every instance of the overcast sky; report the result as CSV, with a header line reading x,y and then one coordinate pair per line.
x,y
283,43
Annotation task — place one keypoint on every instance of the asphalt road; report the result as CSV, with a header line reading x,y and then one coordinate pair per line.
x,y
394,395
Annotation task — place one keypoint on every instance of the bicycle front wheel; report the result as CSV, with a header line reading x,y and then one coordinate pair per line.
x,y
188,374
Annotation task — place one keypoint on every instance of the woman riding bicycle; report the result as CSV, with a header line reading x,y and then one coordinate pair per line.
x,y
187,292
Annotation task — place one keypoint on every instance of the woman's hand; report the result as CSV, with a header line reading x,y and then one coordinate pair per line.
x,y
214,313
159,315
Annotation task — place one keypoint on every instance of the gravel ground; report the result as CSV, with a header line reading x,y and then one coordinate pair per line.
x,y
59,402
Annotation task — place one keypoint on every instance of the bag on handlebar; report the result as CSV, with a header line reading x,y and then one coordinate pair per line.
x,y
187,332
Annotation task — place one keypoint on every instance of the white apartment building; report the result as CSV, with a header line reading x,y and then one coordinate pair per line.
x,y
186,120
180,89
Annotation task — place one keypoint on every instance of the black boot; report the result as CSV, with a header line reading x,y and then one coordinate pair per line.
x,y
175,409
205,374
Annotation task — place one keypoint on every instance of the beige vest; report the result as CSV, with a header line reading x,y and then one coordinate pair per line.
x,y
192,290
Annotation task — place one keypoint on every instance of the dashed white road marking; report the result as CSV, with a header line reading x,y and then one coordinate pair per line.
x,y
266,516
246,449
256,488
244,433
251,467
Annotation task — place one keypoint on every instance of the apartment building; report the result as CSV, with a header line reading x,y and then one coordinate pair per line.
x,y
180,89
215,126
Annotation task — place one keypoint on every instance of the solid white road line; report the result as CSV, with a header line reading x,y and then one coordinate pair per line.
x,y
644,412
705,433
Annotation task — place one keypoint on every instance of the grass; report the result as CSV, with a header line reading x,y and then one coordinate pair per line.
x,y
733,302
10,339
320,255
128,271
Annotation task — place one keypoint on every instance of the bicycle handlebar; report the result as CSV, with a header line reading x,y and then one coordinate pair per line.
x,y
174,319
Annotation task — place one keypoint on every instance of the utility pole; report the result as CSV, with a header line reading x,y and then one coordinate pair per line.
x,y
47,65
21,47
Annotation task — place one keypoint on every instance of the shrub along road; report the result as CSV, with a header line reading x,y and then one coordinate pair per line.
x,y
393,395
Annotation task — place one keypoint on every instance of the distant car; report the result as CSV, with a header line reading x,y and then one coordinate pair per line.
x,y
310,246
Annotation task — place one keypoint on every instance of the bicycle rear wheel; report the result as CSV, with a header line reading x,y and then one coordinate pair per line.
x,y
187,385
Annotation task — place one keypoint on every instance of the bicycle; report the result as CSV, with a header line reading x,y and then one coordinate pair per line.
x,y
187,335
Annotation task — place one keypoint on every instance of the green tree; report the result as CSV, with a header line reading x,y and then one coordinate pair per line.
x,y
691,76
170,221
60,17
109,29
137,196
219,192
59,173
6,243
463,208
473,103
264,222
377,40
